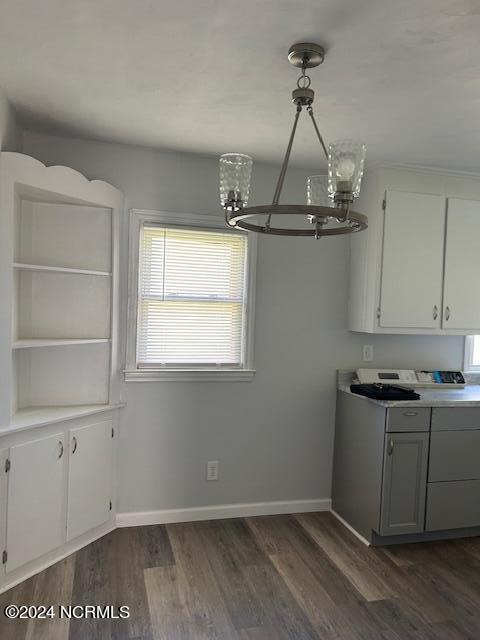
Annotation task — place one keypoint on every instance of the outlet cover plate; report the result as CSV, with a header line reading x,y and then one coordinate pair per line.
x,y
367,352
212,470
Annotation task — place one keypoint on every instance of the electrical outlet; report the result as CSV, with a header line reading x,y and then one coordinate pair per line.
x,y
367,352
212,470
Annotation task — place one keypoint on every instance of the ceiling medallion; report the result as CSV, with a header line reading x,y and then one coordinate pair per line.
x,y
324,214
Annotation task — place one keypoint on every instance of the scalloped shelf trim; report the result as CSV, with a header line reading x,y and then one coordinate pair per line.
x,y
24,163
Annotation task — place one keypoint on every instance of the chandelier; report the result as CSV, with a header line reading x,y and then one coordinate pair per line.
x,y
329,198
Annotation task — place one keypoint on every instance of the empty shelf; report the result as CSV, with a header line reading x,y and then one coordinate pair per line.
x,y
29,343
37,267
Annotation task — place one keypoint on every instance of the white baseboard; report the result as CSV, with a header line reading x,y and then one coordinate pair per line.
x,y
351,529
221,511
36,566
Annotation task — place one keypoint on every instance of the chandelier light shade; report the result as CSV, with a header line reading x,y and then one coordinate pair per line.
x,y
329,198
345,169
317,191
235,174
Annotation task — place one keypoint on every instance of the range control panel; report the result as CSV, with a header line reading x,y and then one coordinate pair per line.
x,y
409,377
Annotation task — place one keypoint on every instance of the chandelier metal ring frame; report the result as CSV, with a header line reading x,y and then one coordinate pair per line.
x,y
354,221
304,56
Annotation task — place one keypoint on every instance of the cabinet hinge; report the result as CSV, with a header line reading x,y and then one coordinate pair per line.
x,y
4,557
113,432
378,313
110,507
8,465
384,204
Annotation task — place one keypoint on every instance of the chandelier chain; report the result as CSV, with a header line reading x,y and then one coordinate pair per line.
x,y
304,81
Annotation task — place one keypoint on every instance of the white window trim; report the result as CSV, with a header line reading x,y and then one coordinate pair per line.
x,y
138,217
468,367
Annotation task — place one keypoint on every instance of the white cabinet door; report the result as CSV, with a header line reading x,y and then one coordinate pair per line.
x,y
412,266
461,298
36,516
3,502
90,477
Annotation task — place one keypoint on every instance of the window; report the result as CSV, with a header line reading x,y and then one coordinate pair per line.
x,y
472,354
192,297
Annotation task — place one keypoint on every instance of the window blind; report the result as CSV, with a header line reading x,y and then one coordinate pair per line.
x,y
191,298
476,352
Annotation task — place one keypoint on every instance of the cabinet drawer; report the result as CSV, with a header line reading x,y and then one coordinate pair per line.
x,y
453,505
408,419
454,455
450,418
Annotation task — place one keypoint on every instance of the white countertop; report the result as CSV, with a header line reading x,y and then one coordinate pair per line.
x,y
40,416
467,397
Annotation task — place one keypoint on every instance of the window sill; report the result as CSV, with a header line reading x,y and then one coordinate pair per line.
x,y
472,376
188,375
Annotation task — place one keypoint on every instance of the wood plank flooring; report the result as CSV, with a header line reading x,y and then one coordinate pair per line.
x,y
302,577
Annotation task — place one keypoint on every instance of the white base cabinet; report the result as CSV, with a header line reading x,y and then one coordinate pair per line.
x,y
3,498
89,477
56,492
35,514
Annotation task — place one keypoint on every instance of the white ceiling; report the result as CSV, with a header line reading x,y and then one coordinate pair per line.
x,y
211,76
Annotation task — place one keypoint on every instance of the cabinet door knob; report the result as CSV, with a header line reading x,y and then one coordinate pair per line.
x,y
60,444
447,313
435,312
390,447
75,443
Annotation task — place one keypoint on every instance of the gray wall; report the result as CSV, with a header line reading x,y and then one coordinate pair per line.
x,y
273,436
9,133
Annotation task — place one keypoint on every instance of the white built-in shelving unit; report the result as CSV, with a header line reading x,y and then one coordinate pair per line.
x,y
59,281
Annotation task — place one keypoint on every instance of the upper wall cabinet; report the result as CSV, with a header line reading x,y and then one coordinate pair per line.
x,y
415,270
412,266
461,294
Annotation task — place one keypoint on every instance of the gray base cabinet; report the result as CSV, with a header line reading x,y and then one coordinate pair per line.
x,y
405,474
404,483
454,455
452,505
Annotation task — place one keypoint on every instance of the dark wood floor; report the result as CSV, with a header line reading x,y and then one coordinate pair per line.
x,y
267,578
